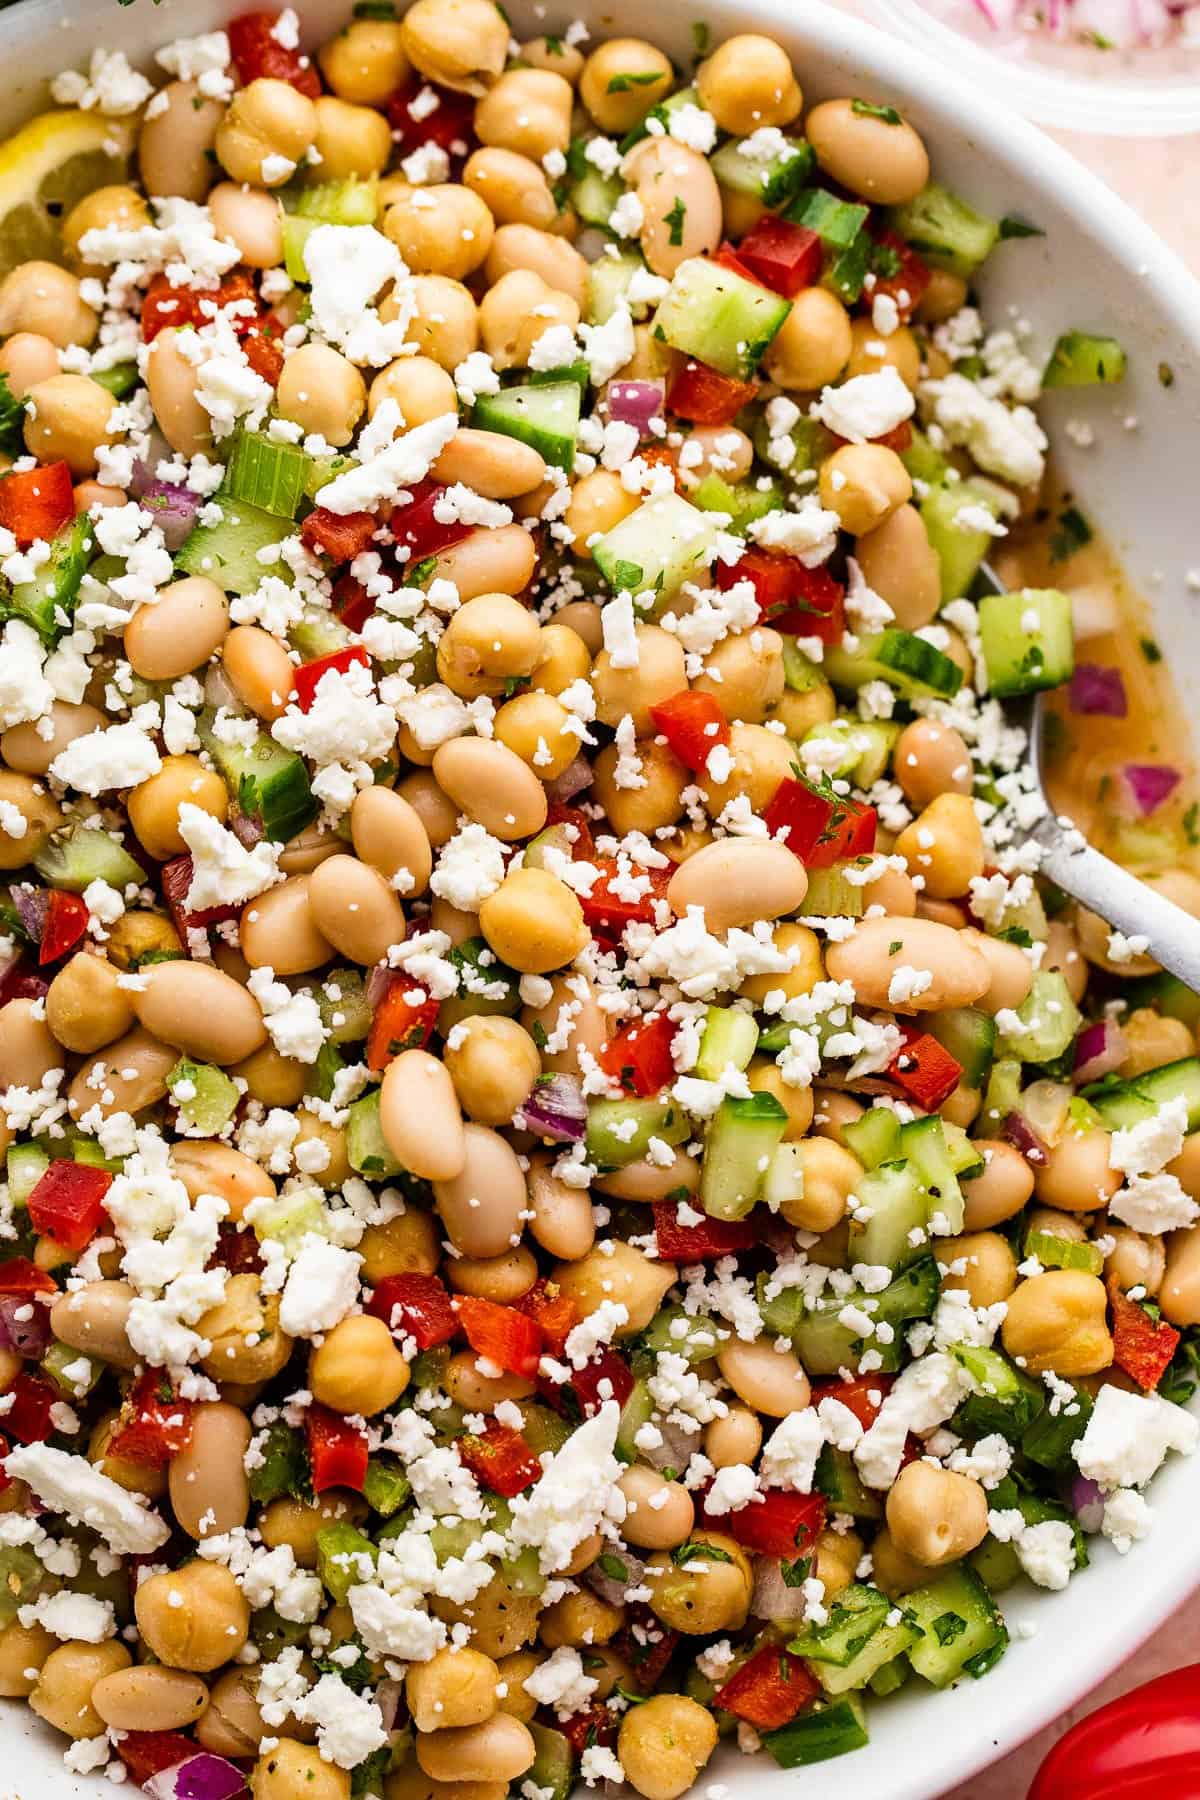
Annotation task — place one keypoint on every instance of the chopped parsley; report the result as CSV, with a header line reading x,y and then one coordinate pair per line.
x,y
1072,533
1191,823
621,84
947,1627
1013,227
1150,650
12,420
867,109
692,1552
701,37
674,219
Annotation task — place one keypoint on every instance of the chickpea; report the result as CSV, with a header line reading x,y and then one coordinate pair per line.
x,y
945,845
863,484
482,1393
365,62
512,186
440,230
352,141
28,1051
770,1380
945,295
1057,1320
208,1167
456,1687
799,712
460,44
358,1368
500,1748
895,1571
748,82
583,618
444,323
292,1768
659,1513
40,297
580,1618
880,160
174,147
24,1650
514,313
991,1271
627,1277
68,421
489,641
737,1438
323,392
193,1618
85,1009
27,358
502,1278
744,674
821,1176
299,1523
527,111
534,922
247,1344
1076,1175
930,760
493,1064
1152,1040
154,804
598,502
615,83
659,673
812,346
117,207
1064,957
935,1516
404,1245
1135,1261
837,1555
664,1743
62,1693
558,263
649,808
534,727
268,129
1002,1188
872,352
899,562
420,387
699,1596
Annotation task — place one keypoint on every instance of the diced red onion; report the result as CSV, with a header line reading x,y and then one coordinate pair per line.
x,y
1144,786
1044,1108
31,905
1099,1049
575,777
172,507
556,1109
200,1777
636,403
24,1325
676,1449
246,829
773,1598
614,1588
219,690
1021,1135
378,983
387,1699
1087,1502
8,964
1096,688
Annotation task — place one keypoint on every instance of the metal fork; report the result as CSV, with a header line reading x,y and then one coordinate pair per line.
x,y
1089,876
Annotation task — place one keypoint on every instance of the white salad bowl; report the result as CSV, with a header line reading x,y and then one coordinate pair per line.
x,y
1098,267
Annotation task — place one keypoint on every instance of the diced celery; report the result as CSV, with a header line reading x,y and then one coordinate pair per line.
x,y
366,1146
831,896
352,201
1064,1253
874,1137
84,1375
24,1166
267,474
619,1131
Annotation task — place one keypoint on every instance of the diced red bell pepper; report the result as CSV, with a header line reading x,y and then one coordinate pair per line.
x,y
417,528
924,1070
863,1395
769,1690
164,306
450,124
147,1753
646,1644
66,922
907,285
607,914
730,257
819,827
415,1306
257,55
693,725
607,1376
175,879
67,1203
22,983
501,1460
782,256
309,674
263,348
155,1424
20,1276
1142,1346
582,845
37,503
337,1450
553,1311
639,1056
505,1337
352,604
403,1019
6,1479
782,1523
28,1418
340,536
594,1725
802,602
700,1243
707,397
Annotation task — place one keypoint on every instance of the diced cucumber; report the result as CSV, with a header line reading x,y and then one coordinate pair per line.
x,y
960,547
47,600
882,1650
545,417
969,1034
386,1487
1002,1093
1048,1441
899,1207
741,1140
717,316
821,1733
120,379
81,854
345,1559
637,1411
206,1097
619,1131
366,1146
85,1372
282,1465
690,1335
21,1576
353,200
836,222
268,475
1049,1020
962,1632
906,662
923,462
608,282
774,182
1167,995
891,1677
866,746
831,896
1027,640
656,549
24,1166
965,1157
342,999
1126,1102
838,1479
730,1036
485,985
269,783
577,371
825,1345
552,1770
592,195
744,502
228,553
1003,1399
854,1618
811,442
997,1565
1064,1253
543,1429
1084,359
1037,1509
290,1217
923,1141
661,114
318,632
296,233
874,1137
846,270
945,230
800,673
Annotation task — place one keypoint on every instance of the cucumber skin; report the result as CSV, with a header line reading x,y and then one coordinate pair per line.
x,y
531,414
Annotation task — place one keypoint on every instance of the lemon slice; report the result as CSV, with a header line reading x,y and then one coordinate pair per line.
x,y
47,167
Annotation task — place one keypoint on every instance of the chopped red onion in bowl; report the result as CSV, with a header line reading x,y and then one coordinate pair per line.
x,y
1099,1049
1145,786
1096,689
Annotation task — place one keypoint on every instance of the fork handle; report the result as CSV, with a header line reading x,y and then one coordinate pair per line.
x,y
1125,901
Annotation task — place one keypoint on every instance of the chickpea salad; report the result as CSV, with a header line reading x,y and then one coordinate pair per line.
x,y
570,1192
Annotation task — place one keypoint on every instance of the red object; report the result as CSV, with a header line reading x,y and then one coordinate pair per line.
x,y
818,826
256,54
646,1644
693,725
415,1306
340,536
1143,1746
416,527
309,674
262,347
22,983
501,1460
66,922
148,1753
907,286
398,1023
451,122
1141,1346
639,1056
20,1276
863,1396
769,1690
154,1424
38,503
699,1243
595,1725
351,602
780,1524
706,397
730,257
6,1479
237,1250
175,878
555,1313
925,1070
68,1203
782,256
559,813
507,1338
28,1418
803,602
164,306
606,914
606,1377
337,1450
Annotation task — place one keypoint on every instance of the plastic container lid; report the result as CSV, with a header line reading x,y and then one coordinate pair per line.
x,y
1152,92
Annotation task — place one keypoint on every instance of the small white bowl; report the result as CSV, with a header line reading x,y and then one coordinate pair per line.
x,y
1097,267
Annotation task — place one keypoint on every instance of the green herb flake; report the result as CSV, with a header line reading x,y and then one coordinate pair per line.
x,y
701,37
613,1567
1166,375
866,109
538,1034
692,1552
674,219
1013,227
1150,650
949,1626
627,575
1191,823
553,46
895,947
795,1574
621,84
1072,533
374,9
